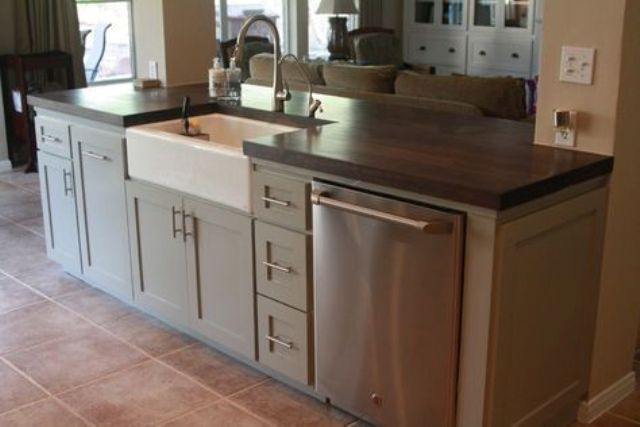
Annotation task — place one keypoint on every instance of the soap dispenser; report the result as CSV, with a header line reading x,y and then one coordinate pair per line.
x,y
234,81
217,80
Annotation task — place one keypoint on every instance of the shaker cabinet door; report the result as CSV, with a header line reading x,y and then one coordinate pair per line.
x,y
98,158
220,269
158,252
60,213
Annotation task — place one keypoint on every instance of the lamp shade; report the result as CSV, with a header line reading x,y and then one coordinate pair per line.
x,y
334,7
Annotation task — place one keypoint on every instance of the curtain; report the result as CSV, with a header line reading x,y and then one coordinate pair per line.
x,y
371,13
46,25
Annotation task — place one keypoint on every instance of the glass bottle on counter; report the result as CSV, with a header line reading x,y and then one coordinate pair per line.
x,y
234,81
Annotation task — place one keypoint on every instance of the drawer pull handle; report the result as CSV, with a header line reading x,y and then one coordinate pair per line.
x,y
276,267
483,53
67,188
188,217
452,50
96,156
175,230
51,139
276,201
423,48
515,55
286,344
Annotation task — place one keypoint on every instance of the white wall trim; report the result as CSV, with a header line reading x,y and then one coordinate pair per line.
x,y
591,409
5,166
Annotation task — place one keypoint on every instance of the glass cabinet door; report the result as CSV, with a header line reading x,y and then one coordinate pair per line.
x,y
453,12
485,13
425,11
516,13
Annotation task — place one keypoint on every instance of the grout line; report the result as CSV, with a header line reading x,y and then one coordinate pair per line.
x,y
44,390
26,405
252,386
24,227
11,310
622,417
150,356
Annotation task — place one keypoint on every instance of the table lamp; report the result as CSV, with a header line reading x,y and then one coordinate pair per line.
x,y
338,37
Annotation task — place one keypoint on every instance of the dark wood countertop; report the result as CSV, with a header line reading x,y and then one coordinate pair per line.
x,y
480,161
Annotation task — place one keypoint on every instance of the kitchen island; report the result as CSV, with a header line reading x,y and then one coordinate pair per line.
x,y
522,307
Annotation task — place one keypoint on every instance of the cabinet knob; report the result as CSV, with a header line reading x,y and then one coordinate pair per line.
x,y
482,53
376,399
452,50
423,48
515,55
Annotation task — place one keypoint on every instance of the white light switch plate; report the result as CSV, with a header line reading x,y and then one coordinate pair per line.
x,y
577,65
153,69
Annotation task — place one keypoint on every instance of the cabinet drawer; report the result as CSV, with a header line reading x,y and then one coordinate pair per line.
x,y
282,200
515,56
283,265
53,136
425,49
284,340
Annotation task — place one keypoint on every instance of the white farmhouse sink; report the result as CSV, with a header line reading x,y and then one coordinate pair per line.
x,y
212,168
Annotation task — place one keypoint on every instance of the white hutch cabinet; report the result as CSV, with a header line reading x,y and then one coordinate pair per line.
x,y
477,37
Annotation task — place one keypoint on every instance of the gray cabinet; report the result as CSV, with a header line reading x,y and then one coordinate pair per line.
x,y
59,211
193,265
98,160
220,273
158,254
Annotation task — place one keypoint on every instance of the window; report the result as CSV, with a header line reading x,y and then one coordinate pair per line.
x,y
232,14
105,26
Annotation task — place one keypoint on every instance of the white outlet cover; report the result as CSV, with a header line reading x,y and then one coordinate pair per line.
x,y
153,69
566,139
577,65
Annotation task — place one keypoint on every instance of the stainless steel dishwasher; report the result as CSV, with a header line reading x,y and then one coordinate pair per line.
x,y
387,301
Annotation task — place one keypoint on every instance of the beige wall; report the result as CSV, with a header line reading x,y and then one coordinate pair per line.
x,y
179,35
148,27
582,23
608,124
190,40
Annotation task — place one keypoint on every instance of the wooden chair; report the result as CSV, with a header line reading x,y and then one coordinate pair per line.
x,y
375,46
353,34
228,47
93,57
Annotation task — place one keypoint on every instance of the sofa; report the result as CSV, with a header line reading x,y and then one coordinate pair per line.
x,y
500,97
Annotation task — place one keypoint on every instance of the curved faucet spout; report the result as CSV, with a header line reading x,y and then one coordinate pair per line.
x,y
314,104
279,96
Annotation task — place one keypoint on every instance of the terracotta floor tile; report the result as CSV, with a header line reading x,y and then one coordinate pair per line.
x,y
35,224
19,178
50,279
629,407
147,394
23,210
14,295
20,249
15,390
285,407
148,333
47,413
75,360
220,414
214,369
95,305
11,195
608,420
37,324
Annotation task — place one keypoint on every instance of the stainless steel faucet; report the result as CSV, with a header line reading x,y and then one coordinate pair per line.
x,y
280,95
314,104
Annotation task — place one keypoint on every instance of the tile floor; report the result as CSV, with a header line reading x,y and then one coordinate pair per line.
x,y
73,356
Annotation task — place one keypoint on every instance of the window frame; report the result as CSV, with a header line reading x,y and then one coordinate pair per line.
x,y
132,44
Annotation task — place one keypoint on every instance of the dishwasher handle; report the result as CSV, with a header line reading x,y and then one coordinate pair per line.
x,y
321,198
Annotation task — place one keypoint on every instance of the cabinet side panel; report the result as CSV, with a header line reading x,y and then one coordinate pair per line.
x,y
547,275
